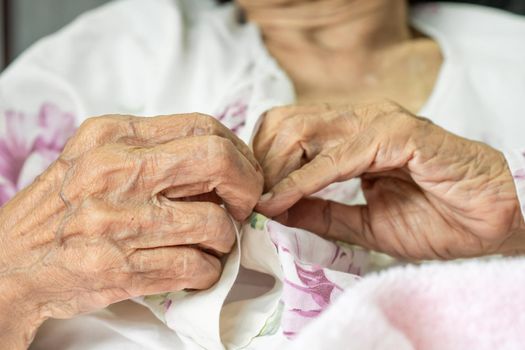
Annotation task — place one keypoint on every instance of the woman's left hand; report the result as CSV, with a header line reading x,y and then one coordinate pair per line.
x,y
430,193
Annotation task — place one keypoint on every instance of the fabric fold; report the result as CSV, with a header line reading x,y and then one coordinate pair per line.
x,y
308,272
516,161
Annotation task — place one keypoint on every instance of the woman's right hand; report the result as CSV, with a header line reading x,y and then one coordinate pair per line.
x,y
97,227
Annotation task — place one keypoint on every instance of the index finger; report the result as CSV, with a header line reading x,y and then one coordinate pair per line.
x,y
202,164
338,164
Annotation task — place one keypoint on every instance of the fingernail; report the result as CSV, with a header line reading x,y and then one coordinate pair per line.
x,y
266,197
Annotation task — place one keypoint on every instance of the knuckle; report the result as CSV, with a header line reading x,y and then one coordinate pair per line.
x,y
225,230
332,160
205,124
92,214
219,143
96,264
259,182
388,105
190,260
200,270
424,120
104,262
148,219
295,180
273,112
92,132
223,152
377,109
88,218
279,112
217,221
101,129
99,123
99,169
97,162
423,126
412,122
202,117
214,227
210,121
214,268
366,113
140,262
402,119
88,124
216,212
292,126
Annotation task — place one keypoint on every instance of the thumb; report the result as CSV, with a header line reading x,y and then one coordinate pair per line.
x,y
312,177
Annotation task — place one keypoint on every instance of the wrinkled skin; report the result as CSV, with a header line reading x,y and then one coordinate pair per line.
x,y
97,227
430,194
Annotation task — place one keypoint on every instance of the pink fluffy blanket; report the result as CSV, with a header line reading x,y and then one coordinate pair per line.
x,y
455,305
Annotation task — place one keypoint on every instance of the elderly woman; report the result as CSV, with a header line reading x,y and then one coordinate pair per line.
x,y
132,205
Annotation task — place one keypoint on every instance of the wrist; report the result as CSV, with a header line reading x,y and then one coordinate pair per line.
x,y
516,242
518,228
21,314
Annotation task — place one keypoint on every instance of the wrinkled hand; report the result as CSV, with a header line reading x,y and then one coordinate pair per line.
x,y
97,227
430,194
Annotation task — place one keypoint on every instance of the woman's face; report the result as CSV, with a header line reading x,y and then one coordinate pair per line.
x,y
285,3
271,2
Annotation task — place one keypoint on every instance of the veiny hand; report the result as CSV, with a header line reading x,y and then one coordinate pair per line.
x,y
97,227
430,194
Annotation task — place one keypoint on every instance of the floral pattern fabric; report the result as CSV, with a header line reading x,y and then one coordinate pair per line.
x,y
29,143
313,272
234,114
310,273
316,272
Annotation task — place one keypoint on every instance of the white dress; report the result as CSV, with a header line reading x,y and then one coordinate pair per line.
x,y
157,57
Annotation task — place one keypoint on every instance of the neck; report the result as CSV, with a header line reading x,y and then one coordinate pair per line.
x,y
329,25
347,51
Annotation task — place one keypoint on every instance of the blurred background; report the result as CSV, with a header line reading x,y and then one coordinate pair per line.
x,y
25,21
22,22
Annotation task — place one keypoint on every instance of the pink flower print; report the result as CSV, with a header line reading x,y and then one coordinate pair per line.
x,y
29,143
317,285
306,298
519,174
304,247
167,304
307,260
343,192
57,127
234,114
